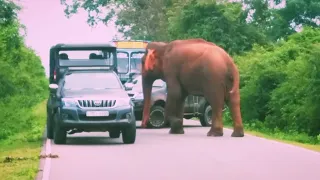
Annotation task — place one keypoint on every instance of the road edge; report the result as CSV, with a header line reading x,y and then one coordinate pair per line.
x,y
44,163
47,162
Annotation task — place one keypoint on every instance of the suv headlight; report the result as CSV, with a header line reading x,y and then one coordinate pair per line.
x,y
124,102
68,102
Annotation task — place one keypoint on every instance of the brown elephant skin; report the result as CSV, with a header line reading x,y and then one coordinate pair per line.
x,y
195,67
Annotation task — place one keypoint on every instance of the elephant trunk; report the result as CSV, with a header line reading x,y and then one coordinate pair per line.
x,y
147,88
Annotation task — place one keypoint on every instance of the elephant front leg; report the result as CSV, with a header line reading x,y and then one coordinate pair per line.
x,y
174,112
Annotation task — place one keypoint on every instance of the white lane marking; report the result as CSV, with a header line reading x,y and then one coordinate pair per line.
x,y
47,162
277,142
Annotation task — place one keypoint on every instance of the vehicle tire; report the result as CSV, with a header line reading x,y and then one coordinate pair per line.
x,y
114,134
60,134
49,126
156,117
129,134
205,118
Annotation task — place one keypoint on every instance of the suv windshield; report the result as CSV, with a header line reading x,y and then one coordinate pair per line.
x,y
96,80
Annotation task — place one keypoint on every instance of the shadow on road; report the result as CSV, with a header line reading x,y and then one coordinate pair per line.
x,y
185,126
93,140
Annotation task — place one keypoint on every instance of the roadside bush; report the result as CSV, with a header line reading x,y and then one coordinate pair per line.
x,y
22,82
280,86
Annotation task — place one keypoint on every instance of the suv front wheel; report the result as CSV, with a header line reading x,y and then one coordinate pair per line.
x,y
129,134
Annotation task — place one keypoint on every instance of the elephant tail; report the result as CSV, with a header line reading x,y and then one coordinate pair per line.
x,y
235,77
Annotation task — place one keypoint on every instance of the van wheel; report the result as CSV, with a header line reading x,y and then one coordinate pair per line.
x,y
156,117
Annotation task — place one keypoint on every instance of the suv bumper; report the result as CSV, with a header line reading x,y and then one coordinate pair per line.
x,y
76,118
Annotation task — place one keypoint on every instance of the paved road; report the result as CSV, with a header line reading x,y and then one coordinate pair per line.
x,y
156,155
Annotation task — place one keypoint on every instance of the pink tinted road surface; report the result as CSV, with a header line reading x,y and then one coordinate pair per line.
x,y
156,155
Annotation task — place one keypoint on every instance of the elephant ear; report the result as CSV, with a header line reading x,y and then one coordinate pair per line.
x,y
150,60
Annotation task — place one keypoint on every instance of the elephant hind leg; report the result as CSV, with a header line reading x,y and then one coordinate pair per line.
x,y
234,105
216,119
216,99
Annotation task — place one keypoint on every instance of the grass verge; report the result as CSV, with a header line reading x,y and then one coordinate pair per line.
x,y
19,154
280,137
314,147
296,140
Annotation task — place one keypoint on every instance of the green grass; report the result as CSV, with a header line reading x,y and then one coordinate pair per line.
x,y
295,139
301,140
19,154
314,147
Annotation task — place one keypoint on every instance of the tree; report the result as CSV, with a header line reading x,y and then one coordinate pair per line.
x,y
223,23
8,12
138,19
280,22
22,77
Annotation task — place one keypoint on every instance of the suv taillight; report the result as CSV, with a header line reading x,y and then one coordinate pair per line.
x,y
54,75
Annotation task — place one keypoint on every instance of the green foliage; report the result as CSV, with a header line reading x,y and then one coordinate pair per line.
x,y
278,23
8,12
220,22
22,80
145,19
280,85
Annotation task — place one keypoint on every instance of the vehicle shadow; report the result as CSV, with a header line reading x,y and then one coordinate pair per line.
x,y
94,140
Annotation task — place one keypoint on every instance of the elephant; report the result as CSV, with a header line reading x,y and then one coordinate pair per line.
x,y
197,67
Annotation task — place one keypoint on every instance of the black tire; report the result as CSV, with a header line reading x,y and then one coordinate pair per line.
x,y
49,126
60,134
129,134
114,134
205,118
157,117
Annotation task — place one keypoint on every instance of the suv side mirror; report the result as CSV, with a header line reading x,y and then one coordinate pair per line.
x,y
53,88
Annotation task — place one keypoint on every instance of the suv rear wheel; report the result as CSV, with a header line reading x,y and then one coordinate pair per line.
x,y
156,117
60,134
